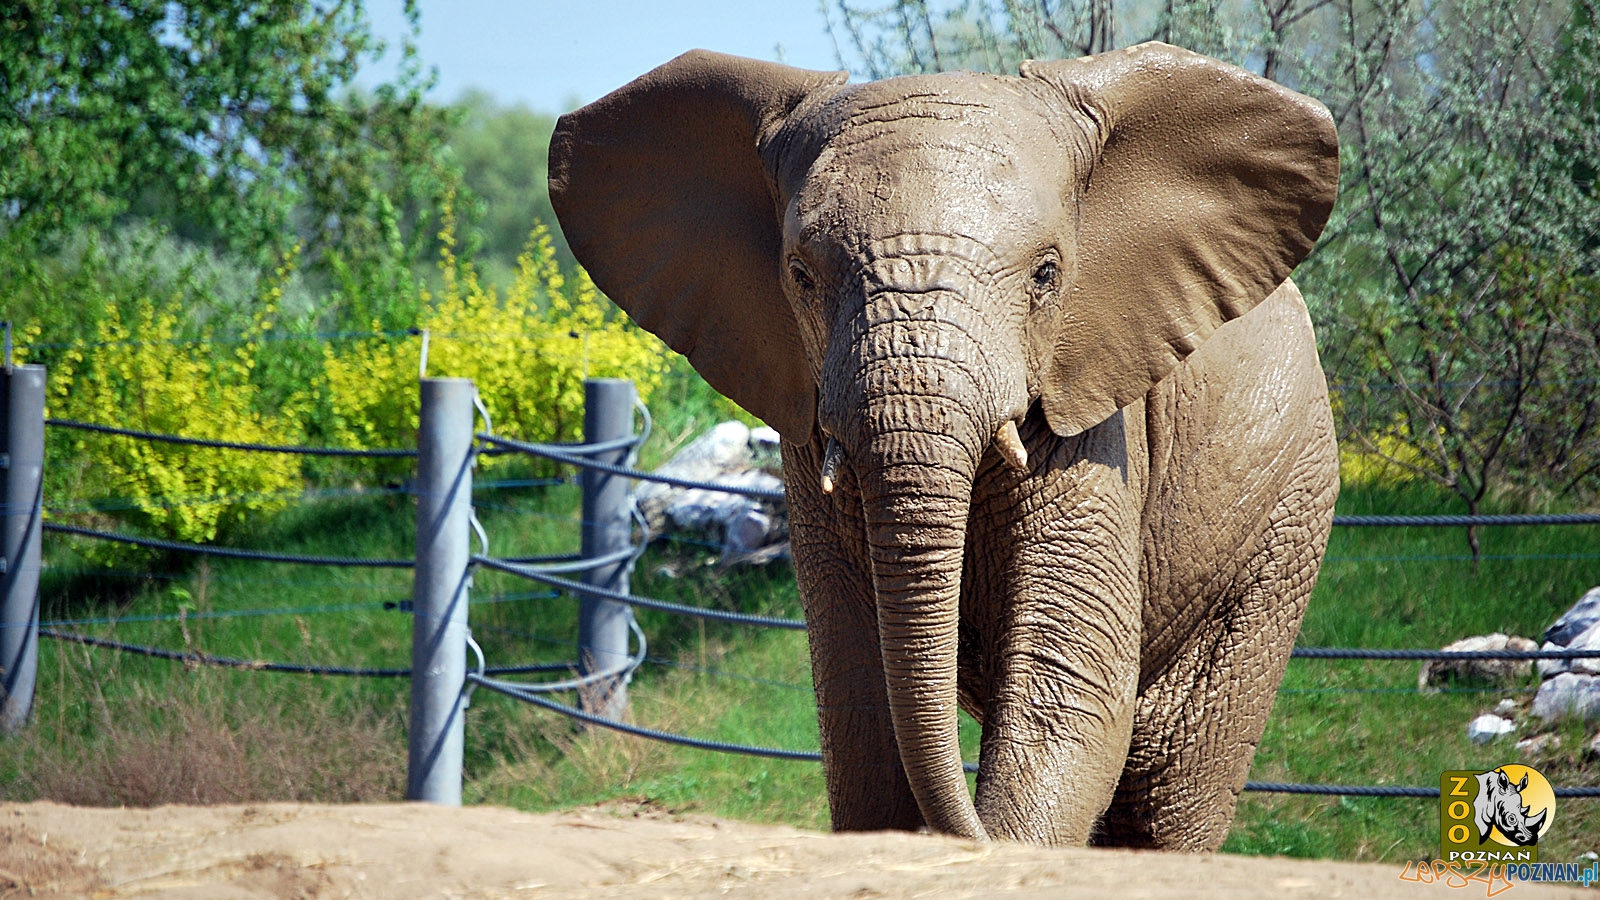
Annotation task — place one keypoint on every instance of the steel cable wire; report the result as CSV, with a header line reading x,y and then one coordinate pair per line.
x,y
229,552
547,452
200,657
228,445
716,615
1452,521
623,670
1378,653
580,564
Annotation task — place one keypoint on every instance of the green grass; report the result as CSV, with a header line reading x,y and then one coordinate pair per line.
x,y
1363,722
118,729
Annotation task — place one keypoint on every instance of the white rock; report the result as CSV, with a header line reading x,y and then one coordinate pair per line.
x,y
702,509
1549,668
1505,707
1569,694
1487,727
765,450
749,530
1575,621
1437,672
1540,744
1588,640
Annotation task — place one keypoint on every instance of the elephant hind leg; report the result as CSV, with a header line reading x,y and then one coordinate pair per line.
x,y
1198,721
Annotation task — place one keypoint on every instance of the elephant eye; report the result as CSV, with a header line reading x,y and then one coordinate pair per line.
x,y
801,276
1046,276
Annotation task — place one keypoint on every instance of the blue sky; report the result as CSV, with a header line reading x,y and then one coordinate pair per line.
x,y
556,54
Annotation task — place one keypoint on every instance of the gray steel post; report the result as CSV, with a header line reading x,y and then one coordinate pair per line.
x,y
439,600
22,468
603,625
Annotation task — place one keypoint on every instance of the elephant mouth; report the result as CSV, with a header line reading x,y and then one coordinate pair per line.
x,y
1007,442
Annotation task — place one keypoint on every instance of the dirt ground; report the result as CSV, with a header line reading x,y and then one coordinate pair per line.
x,y
403,851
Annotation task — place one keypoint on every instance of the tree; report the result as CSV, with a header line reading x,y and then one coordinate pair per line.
x,y
502,153
231,119
1460,315
996,35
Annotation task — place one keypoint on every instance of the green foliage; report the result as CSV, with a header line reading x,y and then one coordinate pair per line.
x,y
906,36
124,324
229,119
1456,286
528,352
502,152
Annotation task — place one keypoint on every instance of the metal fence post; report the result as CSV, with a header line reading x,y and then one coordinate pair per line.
x,y
439,601
22,468
603,625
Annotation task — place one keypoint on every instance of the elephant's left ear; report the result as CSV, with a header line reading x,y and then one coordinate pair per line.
x,y
1211,185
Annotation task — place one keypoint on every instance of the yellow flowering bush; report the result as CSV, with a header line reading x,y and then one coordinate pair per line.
x,y
136,372
1385,459
528,352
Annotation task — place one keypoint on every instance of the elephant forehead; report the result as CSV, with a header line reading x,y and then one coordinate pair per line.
x,y
930,163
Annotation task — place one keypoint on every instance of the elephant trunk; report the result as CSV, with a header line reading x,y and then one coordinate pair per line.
x,y
916,511
915,402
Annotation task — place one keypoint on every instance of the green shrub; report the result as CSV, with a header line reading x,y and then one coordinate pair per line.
x,y
124,321
528,351
135,372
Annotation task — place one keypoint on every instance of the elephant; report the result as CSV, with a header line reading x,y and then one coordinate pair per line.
x,y
1056,441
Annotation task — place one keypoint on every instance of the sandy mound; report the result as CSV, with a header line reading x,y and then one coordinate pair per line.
x,y
396,852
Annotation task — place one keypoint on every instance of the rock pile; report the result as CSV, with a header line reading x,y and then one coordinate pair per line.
x,y
749,531
1571,687
1436,673
1568,687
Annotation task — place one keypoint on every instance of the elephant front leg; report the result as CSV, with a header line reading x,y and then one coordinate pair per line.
x,y
1057,576
1203,706
867,786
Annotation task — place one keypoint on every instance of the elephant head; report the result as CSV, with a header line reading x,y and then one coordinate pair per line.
x,y
901,270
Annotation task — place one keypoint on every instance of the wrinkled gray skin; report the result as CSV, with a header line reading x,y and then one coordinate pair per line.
x,y
1499,805
903,267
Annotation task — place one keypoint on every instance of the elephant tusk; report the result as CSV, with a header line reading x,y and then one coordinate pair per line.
x,y
830,464
1009,443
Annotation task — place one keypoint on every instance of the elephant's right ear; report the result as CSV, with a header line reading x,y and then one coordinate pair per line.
x,y
663,198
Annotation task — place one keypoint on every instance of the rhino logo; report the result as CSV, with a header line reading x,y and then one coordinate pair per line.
x,y
1499,805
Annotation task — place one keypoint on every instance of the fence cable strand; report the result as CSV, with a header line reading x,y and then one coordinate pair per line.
x,y
227,662
580,564
715,615
555,453
623,670
1384,790
228,552
1453,521
228,445
505,688
200,657
1372,653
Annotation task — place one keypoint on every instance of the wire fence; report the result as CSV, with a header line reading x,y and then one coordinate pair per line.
x,y
547,570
